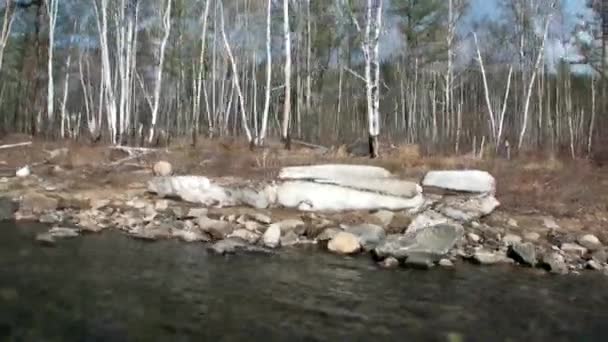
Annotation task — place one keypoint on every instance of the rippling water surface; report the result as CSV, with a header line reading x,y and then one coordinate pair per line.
x,y
111,288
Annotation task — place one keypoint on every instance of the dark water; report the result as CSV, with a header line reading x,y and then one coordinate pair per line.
x,y
110,288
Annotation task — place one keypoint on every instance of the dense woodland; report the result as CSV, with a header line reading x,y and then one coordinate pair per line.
x,y
427,72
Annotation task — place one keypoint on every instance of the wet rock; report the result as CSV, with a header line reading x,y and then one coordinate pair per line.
x,y
589,241
465,209
600,256
251,225
531,236
511,239
261,218
23,172
399,223
446,263
272,236
554,263
328,234
189,235
474,181
344,243
369,235
289,239
523,253
389,262
420,260
427,219
38,203
594,265
152,233
61,232
485,257
7,209
215,228
233,245
245,235
435,241
385,217
573,249
50,218
45,239
162,168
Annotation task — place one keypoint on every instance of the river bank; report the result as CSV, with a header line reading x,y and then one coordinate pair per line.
x,y
98,196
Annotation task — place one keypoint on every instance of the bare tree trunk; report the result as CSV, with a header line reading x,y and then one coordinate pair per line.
x,y
287,101
7,25
198,85
592,122
262,135
159,75
531,84
236,80
66,87
52,8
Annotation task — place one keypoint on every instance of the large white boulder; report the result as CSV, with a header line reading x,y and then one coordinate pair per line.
x,y
310,196
387,186
333,171
474,181
196,189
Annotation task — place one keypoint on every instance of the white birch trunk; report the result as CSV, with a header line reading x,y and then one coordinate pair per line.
x,y
262,135
287,70
52,7
7,24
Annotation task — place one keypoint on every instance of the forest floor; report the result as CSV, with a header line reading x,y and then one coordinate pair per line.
x,y
572,192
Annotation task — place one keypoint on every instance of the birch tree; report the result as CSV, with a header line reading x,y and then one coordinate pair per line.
x,y
287,101
52,7
262,135
166,27
7,24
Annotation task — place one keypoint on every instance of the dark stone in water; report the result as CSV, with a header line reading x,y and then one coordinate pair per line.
x,y
233,245
523,253
7,209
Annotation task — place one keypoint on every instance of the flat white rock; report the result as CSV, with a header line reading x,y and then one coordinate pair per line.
x,y
333,171
475,181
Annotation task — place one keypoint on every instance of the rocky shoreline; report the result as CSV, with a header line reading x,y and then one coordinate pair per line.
x,y
449,218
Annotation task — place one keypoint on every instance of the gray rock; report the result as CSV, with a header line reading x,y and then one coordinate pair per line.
x,y
195,189
399,223
272,236
46,239
245,235
216,228
290,239
466,209
7,209
52,217
369,235
554,263
197,212
594,265
189,235
446,263
531,236
550,223
344,243
291,225
60,232
420,260
461,180
328,234
435,241
427,219
485,257
389,262
251,225
37,203
234,245
384,216
473,237
523,253
152,233
261,218
600,256
573,248
511,239
589,241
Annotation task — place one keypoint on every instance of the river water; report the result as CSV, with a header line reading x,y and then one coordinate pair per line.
x,y
111,288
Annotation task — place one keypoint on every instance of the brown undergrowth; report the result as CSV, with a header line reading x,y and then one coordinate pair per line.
x,y
560,187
